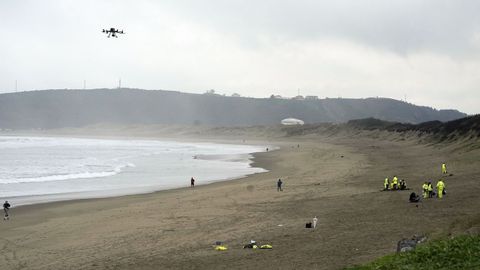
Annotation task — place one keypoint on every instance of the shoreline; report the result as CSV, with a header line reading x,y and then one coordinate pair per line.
x,y
249,158
47,204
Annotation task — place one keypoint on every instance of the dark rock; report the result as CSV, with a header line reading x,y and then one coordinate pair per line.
x,y
405,245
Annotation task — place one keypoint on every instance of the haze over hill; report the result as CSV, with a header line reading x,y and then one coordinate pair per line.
x,y
76,108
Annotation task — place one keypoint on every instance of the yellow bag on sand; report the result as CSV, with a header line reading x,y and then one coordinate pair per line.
x,y
221,248
266,247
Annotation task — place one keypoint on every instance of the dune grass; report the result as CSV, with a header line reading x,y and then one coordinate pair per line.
x,y
462,252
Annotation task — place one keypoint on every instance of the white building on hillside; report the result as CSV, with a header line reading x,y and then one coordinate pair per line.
x,y
292,122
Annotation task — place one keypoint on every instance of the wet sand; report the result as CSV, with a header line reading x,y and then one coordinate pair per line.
x,y
175,229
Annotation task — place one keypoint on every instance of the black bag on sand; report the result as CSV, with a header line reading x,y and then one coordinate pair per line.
x,y
414,198
249,245
308,225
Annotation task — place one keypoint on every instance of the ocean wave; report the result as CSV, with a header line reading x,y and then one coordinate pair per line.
x,y
61,177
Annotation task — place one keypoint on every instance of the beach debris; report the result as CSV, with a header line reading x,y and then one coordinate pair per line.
x,y
253,245
406,245
250,246
220,246
280,225
308,225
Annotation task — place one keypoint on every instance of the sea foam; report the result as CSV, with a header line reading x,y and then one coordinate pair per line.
x,y
39,166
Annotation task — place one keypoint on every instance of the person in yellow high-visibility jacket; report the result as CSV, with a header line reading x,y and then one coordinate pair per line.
x,y
440,188
395,182
444,168
425,190
385,184
430,190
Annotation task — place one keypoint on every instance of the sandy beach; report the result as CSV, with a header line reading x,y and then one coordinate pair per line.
x,y
337,179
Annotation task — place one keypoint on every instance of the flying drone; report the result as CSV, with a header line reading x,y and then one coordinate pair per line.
x,y
112,32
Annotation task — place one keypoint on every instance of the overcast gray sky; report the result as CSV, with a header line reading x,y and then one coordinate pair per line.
x,y
426,50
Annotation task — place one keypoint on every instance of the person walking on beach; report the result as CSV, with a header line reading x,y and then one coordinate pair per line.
x,y
6,208
279,185
192,182
315,220
444,168
440,188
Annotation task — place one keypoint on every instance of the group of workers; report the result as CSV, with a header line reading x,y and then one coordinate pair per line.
x,y
395,184
427,187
